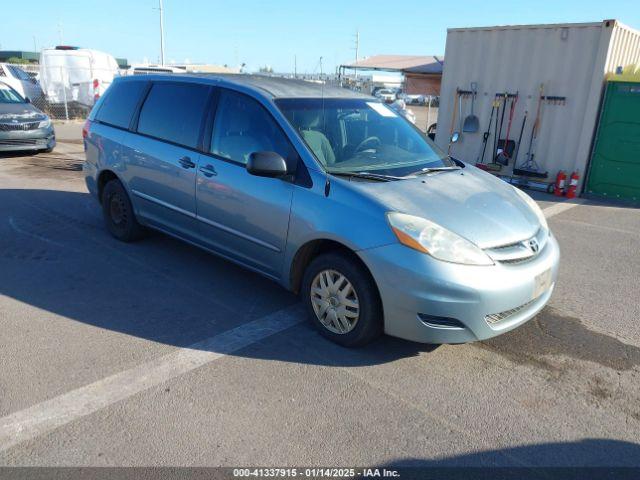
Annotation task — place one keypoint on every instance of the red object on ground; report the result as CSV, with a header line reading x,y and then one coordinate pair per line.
x,y
573,185
561,179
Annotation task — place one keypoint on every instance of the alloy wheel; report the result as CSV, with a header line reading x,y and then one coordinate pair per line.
x,y
335,301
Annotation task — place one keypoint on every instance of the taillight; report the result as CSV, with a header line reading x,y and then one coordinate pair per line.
x,y
86,128
96,89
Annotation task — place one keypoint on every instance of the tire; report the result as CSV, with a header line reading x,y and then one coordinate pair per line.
x,y
327,268
119,217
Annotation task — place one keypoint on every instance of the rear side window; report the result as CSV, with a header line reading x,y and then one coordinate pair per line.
x,y
174,112
119,103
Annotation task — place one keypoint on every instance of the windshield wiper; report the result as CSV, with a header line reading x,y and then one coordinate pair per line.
x,y
368,175
426,170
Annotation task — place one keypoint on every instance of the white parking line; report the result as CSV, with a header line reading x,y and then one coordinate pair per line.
x,y
561,207
56,412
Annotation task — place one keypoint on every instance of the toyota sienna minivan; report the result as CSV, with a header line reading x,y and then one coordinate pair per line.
x,y
328,192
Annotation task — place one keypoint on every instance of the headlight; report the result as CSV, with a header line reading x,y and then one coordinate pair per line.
x,y
45,123
427,237
534,206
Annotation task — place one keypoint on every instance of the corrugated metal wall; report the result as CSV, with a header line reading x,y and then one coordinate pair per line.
x,y
625,48
570,60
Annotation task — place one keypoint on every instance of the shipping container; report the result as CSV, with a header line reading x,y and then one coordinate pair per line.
x,y
567,60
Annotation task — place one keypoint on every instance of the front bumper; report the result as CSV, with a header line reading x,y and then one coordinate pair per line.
x,y
38,139
431,301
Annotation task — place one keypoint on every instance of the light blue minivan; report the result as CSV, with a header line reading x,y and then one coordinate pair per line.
x,y
328,192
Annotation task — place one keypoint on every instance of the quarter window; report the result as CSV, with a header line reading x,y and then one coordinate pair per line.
x,y
174,112
243,126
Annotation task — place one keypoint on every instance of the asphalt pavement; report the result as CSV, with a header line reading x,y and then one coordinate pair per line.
x,y
157,353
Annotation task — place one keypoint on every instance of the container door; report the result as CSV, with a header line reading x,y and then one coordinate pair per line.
x,y
615,164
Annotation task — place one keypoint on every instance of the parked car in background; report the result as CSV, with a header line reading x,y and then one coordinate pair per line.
x,y
20,81
413,99
401,107
76,76
329,192
387,95
22,125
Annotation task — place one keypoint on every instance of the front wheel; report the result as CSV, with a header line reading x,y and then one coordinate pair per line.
x,y
342,300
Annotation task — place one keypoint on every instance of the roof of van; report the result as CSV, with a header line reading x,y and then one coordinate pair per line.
x,y
274,87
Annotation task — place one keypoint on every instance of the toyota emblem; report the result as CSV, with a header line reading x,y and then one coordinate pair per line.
x,y
533,245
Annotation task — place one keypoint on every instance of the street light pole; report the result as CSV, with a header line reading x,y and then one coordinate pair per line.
x,y
161,32
357,51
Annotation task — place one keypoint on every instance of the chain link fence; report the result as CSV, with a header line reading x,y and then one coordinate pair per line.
x,y
67,92
62,92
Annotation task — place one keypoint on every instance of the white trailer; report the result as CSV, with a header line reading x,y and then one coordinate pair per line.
x,y
75,75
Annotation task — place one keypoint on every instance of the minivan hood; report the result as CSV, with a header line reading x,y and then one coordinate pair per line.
x,y
20,111
469,202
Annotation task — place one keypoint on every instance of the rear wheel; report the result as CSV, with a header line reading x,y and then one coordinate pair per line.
x,y
342,300
118,213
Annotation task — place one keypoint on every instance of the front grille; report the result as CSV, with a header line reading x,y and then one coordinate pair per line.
x,y
17,142
440,322
519,252
495,318
14,127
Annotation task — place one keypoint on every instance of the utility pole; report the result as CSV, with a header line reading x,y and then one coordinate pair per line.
x,y
357,51
295,66
35,47
161,32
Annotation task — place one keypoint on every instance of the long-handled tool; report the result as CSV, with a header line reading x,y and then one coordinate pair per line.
x,y
506,146
496,133
471,123
501,98
524,121
453,118
530,167
485,136
461,95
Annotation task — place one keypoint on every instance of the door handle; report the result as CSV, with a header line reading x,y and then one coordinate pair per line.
x,y
208,170
186,162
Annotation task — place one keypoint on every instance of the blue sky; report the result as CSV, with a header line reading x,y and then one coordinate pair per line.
x,y
274,32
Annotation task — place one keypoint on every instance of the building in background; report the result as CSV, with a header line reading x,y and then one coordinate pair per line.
x,y
9,56
424,79
422,73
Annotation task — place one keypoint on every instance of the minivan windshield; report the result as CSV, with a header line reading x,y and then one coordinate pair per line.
x,y
362,135
9,95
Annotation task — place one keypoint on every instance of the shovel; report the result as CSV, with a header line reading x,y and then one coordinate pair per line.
x,y
471,123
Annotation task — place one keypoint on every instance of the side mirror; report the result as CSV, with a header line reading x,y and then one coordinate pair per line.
x,y
266,164
27,99
455,137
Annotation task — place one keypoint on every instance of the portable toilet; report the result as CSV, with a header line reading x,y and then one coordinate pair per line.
x,y
615,161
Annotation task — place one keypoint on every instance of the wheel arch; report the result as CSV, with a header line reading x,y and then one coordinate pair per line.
x,y
104,177
313,248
